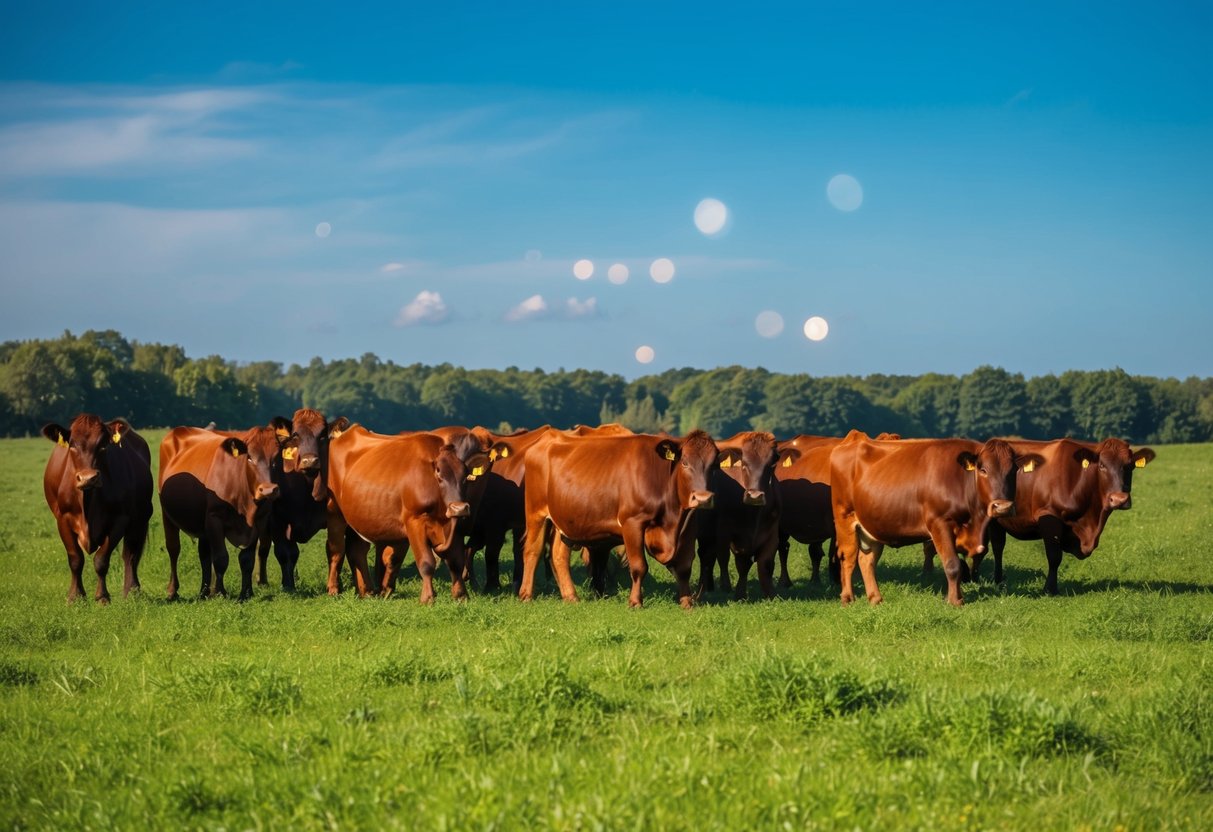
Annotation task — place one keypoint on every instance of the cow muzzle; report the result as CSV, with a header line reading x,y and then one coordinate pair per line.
x,y
1120,500
702,499
309,463
1001,508
754,497
458,510
88,478
266,491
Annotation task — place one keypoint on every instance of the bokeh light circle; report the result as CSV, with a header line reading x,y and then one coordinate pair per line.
x,y
583,269
323,230
618,274
845,192
768,323
662,270
645,354
711,216
816,328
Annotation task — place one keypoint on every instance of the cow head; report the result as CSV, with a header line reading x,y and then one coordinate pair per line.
x,y
994,466
693,459
750,460
86,443
303,442
458,468
261,447
1113,461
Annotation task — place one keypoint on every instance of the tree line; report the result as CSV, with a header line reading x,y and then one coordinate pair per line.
x,y
153,384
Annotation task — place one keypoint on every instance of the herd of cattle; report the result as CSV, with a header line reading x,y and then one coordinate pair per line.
x,y
451,492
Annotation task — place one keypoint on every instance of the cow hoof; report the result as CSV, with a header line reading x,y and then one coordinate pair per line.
x,y
875,598
686,602
103,600
847,598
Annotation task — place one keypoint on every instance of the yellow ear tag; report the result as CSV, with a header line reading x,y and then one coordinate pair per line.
x,y
493,455
478,470
282,433
670,455
727,462
62,441
969,466
505,452
289,453
1029,467
1086,463
1140,462
235,452
787,462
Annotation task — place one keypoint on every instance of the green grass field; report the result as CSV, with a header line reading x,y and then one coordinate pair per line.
x,y
1089,710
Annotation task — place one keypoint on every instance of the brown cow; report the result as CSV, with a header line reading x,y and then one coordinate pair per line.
x,y
747,512
641,491
98,484
808,516
398,491
896,493
1067,500
217,489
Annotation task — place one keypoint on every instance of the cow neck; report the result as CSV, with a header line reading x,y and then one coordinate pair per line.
x,y
673,511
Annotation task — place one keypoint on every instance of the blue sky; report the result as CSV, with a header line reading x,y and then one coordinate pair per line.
x,y
1037,182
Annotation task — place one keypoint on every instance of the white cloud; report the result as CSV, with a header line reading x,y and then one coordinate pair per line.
x,y
581,308
427,308
530,309
535,308
392,267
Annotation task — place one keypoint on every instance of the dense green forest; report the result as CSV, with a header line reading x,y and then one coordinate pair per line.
x,y
159,385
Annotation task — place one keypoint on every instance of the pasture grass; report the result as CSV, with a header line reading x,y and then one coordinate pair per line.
x,y
1089,710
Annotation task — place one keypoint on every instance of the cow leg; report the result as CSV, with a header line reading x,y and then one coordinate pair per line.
x,y
785,548
355,552
998,542
492,561
219,560
941,536
204,563
835,564
75,560
707,565
132,552
287,554
561,553
816,554
1051,530
928,557
534,539
743,562
172,542
682,583
101,565
383,570
247,559
263,554
424,558
638,567
846,538
334,548
600,557
867,567
765,558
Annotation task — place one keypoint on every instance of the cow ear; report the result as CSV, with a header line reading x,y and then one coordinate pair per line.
x,y
477,466
669,449
337,427
787,456
500,450
728,457
234,446
1085,456
1029,462
1143,457
57,433
118,429
967,460
282,428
